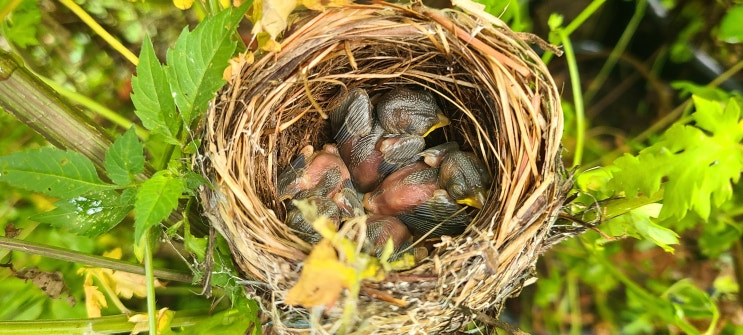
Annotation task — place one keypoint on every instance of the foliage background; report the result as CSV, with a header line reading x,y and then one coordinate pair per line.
x,y
632,129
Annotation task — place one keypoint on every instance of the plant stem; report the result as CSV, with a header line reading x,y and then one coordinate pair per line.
x,y
9,7
101,325
574,302
150,280
737,253
575,24
617,52
110,39
89,260
580,118
34,103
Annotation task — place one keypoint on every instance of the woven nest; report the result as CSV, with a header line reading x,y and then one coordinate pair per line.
x,y
504,107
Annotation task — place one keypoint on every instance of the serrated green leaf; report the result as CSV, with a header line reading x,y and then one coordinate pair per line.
x,y
125,158
21,25
198,59
696,164
54,172
89,215
156,198
153,101
731,29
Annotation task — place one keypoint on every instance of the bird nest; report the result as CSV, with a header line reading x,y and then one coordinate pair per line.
x,y
503,106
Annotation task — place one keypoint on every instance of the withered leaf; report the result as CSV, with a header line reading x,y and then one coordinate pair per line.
x,y
51,283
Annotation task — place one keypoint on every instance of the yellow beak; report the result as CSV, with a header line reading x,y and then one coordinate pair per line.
x,y
443,121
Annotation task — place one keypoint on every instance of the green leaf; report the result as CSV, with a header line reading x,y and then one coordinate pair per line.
x,y
196,245
731,29
718,236
20,26
695,164
691,302
639,223
54,172
90,215
125,158
156,198
151,95
687,88
196,63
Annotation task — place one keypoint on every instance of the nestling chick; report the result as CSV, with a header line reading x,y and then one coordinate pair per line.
x,y
403,190
461,174
413,195
439,215
303,227
370,154
309,168
380,228
403,111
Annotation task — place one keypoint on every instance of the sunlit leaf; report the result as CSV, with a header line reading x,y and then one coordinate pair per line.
x,y
89,215
696,164
51,171
639,223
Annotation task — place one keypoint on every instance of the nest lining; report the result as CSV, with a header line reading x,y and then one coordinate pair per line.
x,y
506,110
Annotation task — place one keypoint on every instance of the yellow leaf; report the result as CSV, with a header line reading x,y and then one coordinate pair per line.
x,y
236,64
322,280
94,301
273,16
128,284
164,318
115,253
183,4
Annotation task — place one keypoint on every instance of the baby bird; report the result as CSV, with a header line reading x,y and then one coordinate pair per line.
x,y
303,227
412,194
461,174
380,228
403,190
309,169
403,111
439,215
322,179
370,153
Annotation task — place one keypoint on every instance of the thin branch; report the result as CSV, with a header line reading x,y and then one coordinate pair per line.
x,y
89,260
